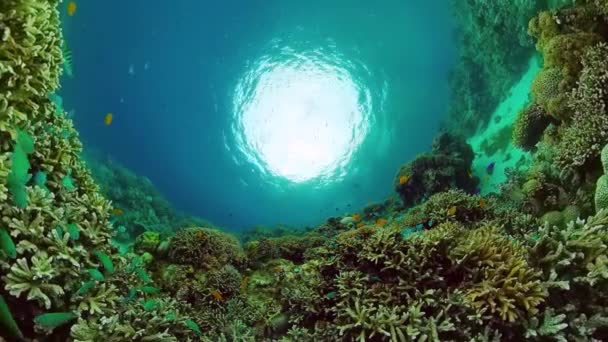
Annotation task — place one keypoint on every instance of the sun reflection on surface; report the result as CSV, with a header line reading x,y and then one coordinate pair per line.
x,y
301,115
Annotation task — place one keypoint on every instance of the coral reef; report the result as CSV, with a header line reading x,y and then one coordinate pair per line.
x,y
445,264
529,126
446,166
205,248
138,205
493,50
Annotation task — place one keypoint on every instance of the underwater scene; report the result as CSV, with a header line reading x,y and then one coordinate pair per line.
x,y
322,170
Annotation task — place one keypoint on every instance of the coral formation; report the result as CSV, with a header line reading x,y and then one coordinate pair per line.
x,y
529,126
205,248
446,166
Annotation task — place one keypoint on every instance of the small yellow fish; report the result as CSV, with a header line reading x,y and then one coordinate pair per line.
x,y
117,211
217,295
108,119
71,8
404,179
452,211
356,217
482,203
381,222
360,224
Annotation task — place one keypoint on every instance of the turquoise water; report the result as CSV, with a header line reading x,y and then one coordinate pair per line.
x,y
251,112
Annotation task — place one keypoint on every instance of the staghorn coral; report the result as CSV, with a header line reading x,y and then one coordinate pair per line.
x,y
205,248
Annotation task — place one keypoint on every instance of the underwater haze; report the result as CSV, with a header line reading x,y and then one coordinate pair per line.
x,y
261,112
303,171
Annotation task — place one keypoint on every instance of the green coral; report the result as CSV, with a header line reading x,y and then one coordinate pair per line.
x,y
147,242
529,126
547,91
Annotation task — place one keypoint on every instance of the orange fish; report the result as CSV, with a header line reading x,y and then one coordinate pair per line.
x,y
71,8
404,179
356,217
482,203
360,224
108,119
452,211
117,211
217,295
381,222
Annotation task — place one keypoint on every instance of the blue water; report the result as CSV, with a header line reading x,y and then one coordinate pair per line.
x,y
261,112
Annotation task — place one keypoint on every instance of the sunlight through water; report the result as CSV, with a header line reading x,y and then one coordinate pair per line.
x,y
302,114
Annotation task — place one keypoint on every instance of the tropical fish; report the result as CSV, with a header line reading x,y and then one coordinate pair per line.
x,y
108,119
117,211
86,286
40,179
193,326
217,295
7,245
482,203
71,8
356,217
141,273
360,224
452,210
130,296
74,231
331,295
381,222
95,274
149,289
490,168
55,319
7,322
105,260
68,183
404,179
150,304
59,232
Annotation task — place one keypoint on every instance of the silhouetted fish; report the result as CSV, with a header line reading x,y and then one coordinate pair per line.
x,y
490,168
